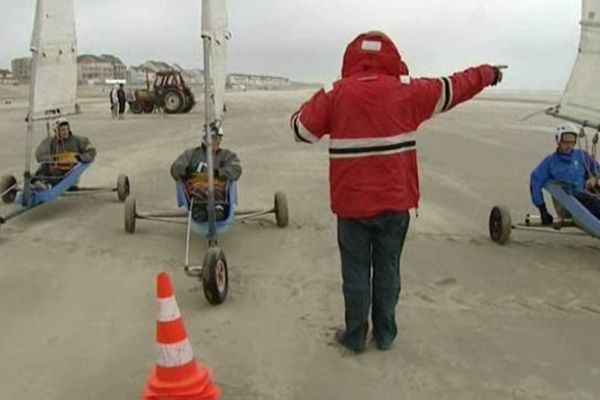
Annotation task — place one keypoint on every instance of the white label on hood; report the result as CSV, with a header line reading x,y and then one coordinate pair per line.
x,y
371,45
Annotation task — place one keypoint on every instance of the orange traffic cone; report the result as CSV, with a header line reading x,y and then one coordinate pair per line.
x,y
177,375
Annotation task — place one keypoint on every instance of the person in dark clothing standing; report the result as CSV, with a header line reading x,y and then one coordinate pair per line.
x,y
122,99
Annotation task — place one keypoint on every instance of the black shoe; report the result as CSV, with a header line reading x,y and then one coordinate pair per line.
x,y
219,212
40,186
384,346
199,213
340,335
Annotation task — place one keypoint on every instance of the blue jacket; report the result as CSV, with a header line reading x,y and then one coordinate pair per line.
x,y
570,169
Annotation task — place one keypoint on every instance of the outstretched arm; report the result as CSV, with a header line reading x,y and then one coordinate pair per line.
x,y
443,94
311,122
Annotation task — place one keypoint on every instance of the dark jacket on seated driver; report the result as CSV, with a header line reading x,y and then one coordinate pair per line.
x,y
190,167
58,156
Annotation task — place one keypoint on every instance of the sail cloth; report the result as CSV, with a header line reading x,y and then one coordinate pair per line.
x,y
54,62
581,98
215,27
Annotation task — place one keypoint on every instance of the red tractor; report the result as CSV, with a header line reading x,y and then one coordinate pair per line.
x,y
168,90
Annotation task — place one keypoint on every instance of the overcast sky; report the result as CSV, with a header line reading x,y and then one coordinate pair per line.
x,y
304,40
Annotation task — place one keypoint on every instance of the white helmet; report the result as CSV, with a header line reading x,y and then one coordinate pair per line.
x,y
565,129
60,122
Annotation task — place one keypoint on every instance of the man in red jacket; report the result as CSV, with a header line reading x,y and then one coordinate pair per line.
x,y
371,116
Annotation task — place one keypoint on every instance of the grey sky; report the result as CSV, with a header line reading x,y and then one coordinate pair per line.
x,y
305,40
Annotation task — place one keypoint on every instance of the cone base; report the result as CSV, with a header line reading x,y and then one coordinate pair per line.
x,y
197,385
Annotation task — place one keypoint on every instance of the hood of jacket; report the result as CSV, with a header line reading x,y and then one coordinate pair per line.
x,y
373,52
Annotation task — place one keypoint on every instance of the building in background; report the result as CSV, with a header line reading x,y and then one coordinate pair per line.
x,y
98,70
92,69
119,69
245,81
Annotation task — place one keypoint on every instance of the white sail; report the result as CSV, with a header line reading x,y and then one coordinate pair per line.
x,y
215,27
581,98
54,62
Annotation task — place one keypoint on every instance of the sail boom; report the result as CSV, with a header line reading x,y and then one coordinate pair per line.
x,y
553,112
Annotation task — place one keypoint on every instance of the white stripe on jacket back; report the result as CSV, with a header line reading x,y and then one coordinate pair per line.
x,y
372,153
372,142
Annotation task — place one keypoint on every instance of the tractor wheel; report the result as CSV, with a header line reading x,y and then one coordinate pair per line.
x,y
135,107
174,101
215,277
8,188
190,101
281,210
500,224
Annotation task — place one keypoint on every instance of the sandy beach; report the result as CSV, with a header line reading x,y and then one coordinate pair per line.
x,y
476,320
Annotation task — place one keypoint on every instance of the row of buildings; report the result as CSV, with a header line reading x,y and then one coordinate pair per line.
x,y
106,68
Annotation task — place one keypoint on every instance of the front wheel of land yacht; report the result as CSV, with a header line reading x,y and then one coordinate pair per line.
x,y
8,188
130,214
281,210
123,187
215,276
500,224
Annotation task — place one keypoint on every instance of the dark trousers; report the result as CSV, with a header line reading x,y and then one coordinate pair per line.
x,y
371,247
591,202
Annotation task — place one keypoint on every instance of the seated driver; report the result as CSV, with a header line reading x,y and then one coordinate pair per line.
x,y
570,166
191,168
58,154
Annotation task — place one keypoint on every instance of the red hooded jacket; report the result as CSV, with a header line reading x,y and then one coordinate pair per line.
x,y
371,116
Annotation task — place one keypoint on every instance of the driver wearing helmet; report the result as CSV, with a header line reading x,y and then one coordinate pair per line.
x,y
191,168
570,166
59,153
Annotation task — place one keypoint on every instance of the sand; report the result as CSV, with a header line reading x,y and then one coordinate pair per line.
x,y
476,320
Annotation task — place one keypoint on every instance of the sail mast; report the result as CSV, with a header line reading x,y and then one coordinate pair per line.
x,y
215,35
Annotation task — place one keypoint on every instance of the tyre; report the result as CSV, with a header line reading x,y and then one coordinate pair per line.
x,y
190,101
8,188
123,187
135,107
215,276
173,101
130,215
281,210
500,224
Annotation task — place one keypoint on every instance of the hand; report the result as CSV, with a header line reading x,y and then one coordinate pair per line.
x,y
547,218
591,183
498,69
